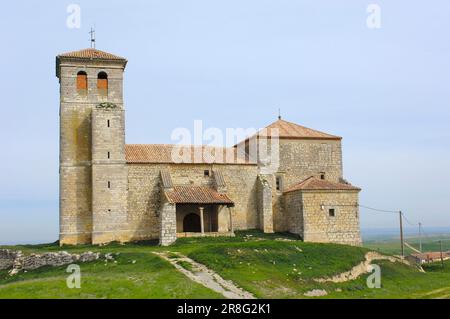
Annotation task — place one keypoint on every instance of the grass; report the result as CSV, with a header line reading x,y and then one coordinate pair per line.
x,y
269,266
185,265
149,277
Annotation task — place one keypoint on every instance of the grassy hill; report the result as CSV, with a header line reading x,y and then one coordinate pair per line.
x,y
269,266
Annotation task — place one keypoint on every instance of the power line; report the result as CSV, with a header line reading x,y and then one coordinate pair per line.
x,y
407,220
389,211
379,210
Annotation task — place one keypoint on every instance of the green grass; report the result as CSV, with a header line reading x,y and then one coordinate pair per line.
x,y
149,277
269,266
185,265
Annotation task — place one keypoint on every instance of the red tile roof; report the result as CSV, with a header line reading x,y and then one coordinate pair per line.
x,y
197,195
313,183
162,153
432,255
91,54
288,130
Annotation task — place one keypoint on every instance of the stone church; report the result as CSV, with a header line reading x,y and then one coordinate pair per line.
x,y
112,191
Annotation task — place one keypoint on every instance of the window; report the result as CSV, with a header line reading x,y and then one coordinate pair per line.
x,y
332,212
108,123
82,82
322,175
109,184
109,155
102,83
206,172
279,183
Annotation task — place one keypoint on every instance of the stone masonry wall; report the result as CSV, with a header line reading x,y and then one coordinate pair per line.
x,y
109,176
298,160
15,261
293,203
265,205
168,224
75,143
318,225
144,194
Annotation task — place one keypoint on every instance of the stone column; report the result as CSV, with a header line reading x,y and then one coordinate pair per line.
x,y
265,204
231,218
202,226
168,224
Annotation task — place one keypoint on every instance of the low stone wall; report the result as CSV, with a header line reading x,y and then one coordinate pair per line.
x,y
16,261
7,258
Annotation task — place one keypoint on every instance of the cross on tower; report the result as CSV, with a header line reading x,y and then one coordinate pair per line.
x,y
92,33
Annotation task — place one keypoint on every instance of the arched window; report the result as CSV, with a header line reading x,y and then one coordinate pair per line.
x,y
82,82
102,83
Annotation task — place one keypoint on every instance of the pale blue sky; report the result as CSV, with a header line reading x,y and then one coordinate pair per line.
x,y
232,64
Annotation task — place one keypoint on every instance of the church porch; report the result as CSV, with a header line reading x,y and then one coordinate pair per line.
x,y
195,220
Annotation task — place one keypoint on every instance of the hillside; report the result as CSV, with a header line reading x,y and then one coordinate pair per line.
x,y
266,266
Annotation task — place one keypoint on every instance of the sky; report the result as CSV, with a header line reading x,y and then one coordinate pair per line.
x,y
233,64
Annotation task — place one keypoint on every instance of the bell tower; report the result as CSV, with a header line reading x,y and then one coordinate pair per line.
x,y
93,176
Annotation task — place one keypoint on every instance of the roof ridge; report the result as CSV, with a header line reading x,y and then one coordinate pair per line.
x,y
91,53
314,183
168,144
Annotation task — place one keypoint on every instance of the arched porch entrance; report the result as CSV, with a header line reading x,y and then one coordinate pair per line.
x,y
191,223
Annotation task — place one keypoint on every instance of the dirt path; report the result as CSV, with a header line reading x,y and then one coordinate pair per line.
x,y
441,293
360,269
205,276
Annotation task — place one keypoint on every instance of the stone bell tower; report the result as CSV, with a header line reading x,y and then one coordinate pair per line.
x,y
93,176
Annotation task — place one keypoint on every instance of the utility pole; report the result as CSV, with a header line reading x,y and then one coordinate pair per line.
x,y
401,234
442,257
420,236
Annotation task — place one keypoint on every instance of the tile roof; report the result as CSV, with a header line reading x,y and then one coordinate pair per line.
x,y
431,255
289,130
313,183
197,195
91,54
162,153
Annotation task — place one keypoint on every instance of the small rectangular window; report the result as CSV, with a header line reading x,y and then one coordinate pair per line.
x,y
322,175
279,183
206,172
109,155
109,184
332,212
108,123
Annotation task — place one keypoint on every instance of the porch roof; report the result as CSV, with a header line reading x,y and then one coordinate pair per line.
x,y
189,194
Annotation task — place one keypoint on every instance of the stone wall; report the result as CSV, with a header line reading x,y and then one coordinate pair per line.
x,y
145,192
298,160
16,261
167,224
109,176
310,218
265,213
75,142
293,203
7,258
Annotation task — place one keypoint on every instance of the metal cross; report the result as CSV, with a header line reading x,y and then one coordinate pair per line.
x,y
92,33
